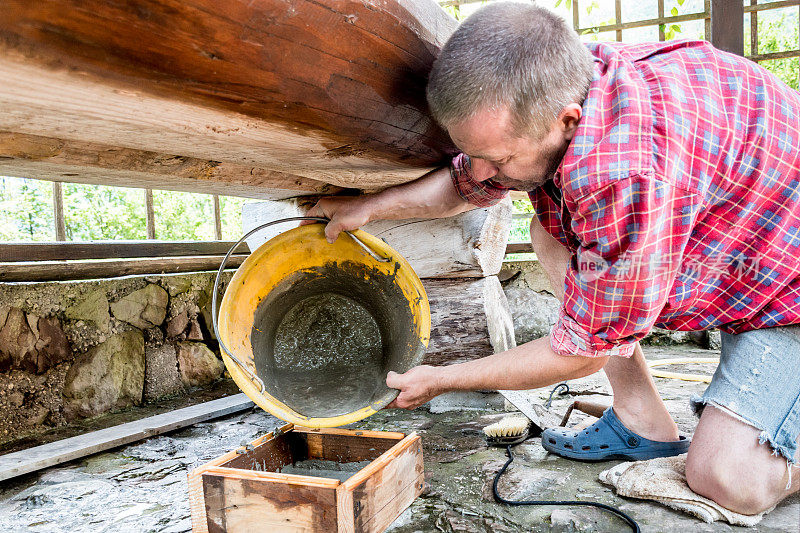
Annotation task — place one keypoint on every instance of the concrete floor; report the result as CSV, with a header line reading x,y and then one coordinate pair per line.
x,y
142,487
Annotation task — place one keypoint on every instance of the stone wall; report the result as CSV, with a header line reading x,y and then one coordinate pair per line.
x,y
72,350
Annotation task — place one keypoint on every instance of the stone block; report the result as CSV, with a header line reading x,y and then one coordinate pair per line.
x,y
177,324
144,308
533,312
195,332
198,365
93,307
108,376
161,376
4,310
177,284
17,341
52,345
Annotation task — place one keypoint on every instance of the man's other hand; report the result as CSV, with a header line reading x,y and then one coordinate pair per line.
x,y
416,386
345,212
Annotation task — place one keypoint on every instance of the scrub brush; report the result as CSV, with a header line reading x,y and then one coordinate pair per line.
x,y
512,429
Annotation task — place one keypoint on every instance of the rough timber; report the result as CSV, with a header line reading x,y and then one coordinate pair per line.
x,y
250,98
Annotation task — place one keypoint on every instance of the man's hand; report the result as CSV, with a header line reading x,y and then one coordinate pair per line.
x,y
346,213
416,386
431,196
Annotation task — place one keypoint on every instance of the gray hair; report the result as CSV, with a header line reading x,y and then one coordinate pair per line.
x,y
513,55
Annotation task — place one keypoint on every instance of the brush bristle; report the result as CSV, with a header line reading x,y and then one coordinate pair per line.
x,y
514,425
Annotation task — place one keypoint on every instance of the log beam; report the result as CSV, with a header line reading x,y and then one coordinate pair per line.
x,y
331,91
470,319
471,244
35,156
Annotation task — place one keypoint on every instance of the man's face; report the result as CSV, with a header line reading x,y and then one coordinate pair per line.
x,y
520,163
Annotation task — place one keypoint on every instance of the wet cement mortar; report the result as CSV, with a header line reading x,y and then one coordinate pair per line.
x,y
142,487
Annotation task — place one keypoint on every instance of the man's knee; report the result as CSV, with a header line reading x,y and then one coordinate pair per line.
x,y
727,481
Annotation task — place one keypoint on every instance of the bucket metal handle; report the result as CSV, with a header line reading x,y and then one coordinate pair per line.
x,y
250,374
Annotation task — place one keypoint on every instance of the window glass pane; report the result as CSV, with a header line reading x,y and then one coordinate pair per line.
x,y
599,36
639,35
26,210
689,29
231,213
683,8
632,11
521,227
777,30
596,13
183,216
786,69
97,212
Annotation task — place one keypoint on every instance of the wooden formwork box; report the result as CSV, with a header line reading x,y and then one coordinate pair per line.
x,y
242,491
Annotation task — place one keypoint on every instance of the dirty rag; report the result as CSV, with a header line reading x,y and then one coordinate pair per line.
x,y
664,480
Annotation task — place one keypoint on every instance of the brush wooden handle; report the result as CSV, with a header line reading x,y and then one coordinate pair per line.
x,y
593,408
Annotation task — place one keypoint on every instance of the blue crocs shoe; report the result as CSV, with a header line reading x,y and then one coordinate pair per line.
x,y
608,439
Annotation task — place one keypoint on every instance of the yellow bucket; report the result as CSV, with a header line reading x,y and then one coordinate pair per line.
x,y
308,329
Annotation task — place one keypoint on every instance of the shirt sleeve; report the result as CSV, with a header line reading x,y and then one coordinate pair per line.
x,y
480,193
632,234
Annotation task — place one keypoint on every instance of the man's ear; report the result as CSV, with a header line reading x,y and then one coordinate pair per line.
x,y
568,120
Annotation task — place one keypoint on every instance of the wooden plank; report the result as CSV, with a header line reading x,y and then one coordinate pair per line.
x,y
348,108
774,55
273,477
236,503
471,244
647,22
383,489
217,218
361,433
727,26
33,459
772,5
151,214
350,447
519,248
197,502
64,251
753,29
25,156
267,455
394,507
58,212
111,268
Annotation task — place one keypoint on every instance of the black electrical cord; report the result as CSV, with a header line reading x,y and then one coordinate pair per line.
x,y
630,521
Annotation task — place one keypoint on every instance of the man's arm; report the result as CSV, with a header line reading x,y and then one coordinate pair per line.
x,y
529,366
431,196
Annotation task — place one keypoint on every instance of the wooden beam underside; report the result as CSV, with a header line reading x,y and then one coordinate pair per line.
x,y
330,92
34,156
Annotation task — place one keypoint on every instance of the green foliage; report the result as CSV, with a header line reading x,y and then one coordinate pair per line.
x,y
93,212
776,34
183,216
455,11
96,212
26,210
521,227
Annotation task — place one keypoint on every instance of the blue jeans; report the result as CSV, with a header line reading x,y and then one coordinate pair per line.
x,y
758,382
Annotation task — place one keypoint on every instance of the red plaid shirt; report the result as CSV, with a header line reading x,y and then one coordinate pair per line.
x,y
679,196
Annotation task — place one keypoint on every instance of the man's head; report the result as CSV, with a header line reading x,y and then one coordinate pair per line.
x,y
508,86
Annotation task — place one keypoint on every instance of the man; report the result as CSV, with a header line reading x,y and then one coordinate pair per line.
x,y
666,183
